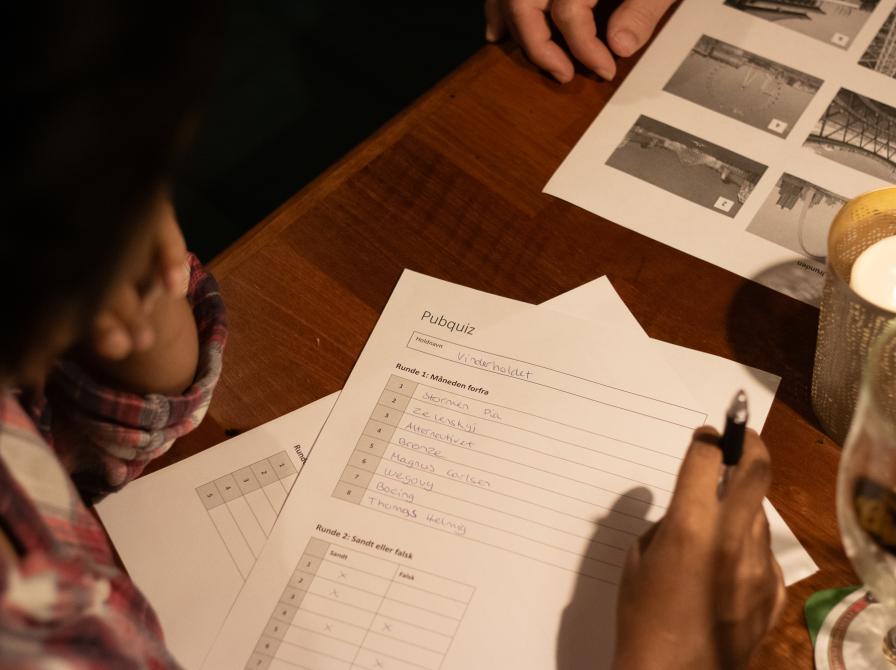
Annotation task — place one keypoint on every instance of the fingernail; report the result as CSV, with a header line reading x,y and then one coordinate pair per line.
x,y
625,42
173,279
185,274
562,77
116,344
177,280
490,34
603,73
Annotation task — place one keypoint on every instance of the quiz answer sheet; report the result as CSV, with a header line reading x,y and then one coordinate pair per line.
x,y
487,466
741,132
171,571
190,533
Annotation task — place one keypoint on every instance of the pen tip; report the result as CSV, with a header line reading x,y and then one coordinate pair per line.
x,y
738,409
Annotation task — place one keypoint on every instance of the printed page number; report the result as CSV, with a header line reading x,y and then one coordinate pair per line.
x,y
724,204
777,126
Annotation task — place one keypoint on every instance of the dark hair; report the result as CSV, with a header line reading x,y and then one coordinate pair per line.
x,y
100,98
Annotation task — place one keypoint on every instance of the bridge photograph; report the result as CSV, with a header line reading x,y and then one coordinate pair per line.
x,y
881,53
687,166
858,132
743,86
836,22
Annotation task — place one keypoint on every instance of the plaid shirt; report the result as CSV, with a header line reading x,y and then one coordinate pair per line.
x,y
63,602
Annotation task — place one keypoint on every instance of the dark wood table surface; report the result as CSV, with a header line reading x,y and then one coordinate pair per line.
x,y
452,188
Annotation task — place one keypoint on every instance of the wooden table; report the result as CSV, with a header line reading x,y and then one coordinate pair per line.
x,y
452,188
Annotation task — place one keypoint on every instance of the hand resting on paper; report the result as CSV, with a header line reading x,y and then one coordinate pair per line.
x,y
701,588
143,338
529,23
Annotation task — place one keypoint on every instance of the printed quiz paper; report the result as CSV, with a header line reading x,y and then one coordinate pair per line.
x,y
472,494
189,534
186,529
741,132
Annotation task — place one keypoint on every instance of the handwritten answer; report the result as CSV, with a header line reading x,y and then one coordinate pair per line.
x,y
344,609
551,491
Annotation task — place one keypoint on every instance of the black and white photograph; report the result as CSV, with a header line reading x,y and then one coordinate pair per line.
x,y
797,215
836,22
881,53
743,86
858,132
687,166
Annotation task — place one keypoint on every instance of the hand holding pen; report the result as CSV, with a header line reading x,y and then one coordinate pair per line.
x,y
701,587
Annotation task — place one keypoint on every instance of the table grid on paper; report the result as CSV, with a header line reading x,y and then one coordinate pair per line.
x,y
562,494
244,504
346,609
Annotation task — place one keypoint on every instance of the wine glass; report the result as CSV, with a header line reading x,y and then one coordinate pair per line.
x,y
866,481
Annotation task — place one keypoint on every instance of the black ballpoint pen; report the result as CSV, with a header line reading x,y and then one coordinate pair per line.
x,y
732,441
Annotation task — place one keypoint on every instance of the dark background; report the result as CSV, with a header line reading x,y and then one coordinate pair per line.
x,y
300,83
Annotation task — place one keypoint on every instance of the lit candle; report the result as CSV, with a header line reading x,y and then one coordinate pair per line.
x,y
874,274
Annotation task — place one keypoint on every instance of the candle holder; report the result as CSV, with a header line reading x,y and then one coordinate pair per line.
x,y
848,323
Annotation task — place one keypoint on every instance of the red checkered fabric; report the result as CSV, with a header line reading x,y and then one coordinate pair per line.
x,y
63,602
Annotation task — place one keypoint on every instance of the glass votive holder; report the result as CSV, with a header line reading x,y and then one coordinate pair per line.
x,y
848,322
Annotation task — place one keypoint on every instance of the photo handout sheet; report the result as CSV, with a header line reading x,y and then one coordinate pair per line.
x,y
831,21
741,132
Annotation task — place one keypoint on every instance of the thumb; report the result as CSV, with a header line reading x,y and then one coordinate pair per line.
x,y
495,27
632,24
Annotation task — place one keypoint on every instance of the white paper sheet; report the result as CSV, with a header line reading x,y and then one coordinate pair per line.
x,y
760,201
151,511
711,380
448,525
197,526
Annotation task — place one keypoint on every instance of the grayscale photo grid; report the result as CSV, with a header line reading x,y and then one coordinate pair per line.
x,y
687,166
743,86
836,22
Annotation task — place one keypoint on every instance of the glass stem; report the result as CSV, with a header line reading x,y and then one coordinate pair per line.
x,y
889,645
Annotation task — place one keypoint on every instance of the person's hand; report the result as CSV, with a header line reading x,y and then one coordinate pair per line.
x,y
143,338
156,268
529,22
701,588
